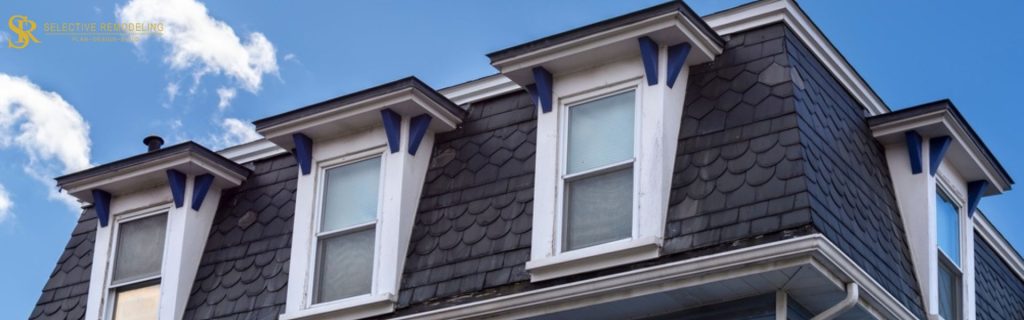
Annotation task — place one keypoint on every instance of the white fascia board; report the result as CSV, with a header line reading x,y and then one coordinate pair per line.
x,y
814,251
359,115
767,12
480,89
667,29
998,243
151,174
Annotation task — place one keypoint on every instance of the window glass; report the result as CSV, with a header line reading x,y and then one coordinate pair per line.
x,y
142,303
600,132
948,225
949,288
346,265
599,209
350,195
140,248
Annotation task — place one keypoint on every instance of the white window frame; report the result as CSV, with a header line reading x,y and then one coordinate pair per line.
x,y
109,287
658,115
564,106
321,170
964,269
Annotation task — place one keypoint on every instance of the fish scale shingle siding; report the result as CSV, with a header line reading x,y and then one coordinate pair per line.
x,y
999,292
65,293
243,273
852,198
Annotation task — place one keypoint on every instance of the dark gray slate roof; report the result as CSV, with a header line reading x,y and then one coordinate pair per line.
x,y
244,270
852,199
65,294
999,291
472,231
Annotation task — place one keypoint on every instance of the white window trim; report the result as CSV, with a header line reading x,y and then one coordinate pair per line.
x,y
402,177
658,116
573,101
111,289
944,183
321,171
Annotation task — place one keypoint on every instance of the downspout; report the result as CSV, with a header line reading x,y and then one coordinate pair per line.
x,y
852,295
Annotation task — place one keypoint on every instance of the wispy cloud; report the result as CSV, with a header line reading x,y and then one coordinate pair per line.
x,y
5,204
225,95
172,91
234,132
47,129
204,45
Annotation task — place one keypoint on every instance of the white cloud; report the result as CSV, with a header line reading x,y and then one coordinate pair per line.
x,y
235,132
225,95
204,45
172,90
5,204
46,128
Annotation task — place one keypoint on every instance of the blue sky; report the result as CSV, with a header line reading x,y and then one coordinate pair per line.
x,y
276,56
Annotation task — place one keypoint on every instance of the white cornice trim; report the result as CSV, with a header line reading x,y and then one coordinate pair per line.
x,y
813,250
766,12
1001,246
251,151
480,89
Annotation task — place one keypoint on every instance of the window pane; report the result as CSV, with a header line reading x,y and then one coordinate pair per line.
x,y
350,195
948,225
138,303
346,265
600,132
140,248
949,297
599,209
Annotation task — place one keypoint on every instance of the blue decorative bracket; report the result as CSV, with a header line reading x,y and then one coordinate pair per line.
x,y
418,126
392,127
975,190
649,55
914,151
303,152
542,81
176,180
101,203
199,189
676,59
936,149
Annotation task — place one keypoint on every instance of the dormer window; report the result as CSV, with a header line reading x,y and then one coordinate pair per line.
x,y
610,98
948,244
138,258
362,162
940,171
150,208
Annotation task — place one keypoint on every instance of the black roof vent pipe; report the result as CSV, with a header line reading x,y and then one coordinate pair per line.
x,y
153,142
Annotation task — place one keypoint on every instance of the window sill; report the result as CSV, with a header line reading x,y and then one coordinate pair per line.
x,y
593,258
352,308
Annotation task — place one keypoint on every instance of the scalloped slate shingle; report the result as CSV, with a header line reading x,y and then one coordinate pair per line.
x,y
243,273
65,294
999,292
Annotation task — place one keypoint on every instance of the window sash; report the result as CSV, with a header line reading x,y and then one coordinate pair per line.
x,y
950,300
125,311
568,178
118,253
321,236
950,245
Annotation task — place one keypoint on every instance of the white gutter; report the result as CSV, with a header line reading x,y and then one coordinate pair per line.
x,y
852,295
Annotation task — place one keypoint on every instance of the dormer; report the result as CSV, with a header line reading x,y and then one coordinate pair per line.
x,y
940,170
150,209
610,99
362,163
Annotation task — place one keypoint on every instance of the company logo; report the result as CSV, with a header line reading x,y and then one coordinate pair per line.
x,y
23,27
